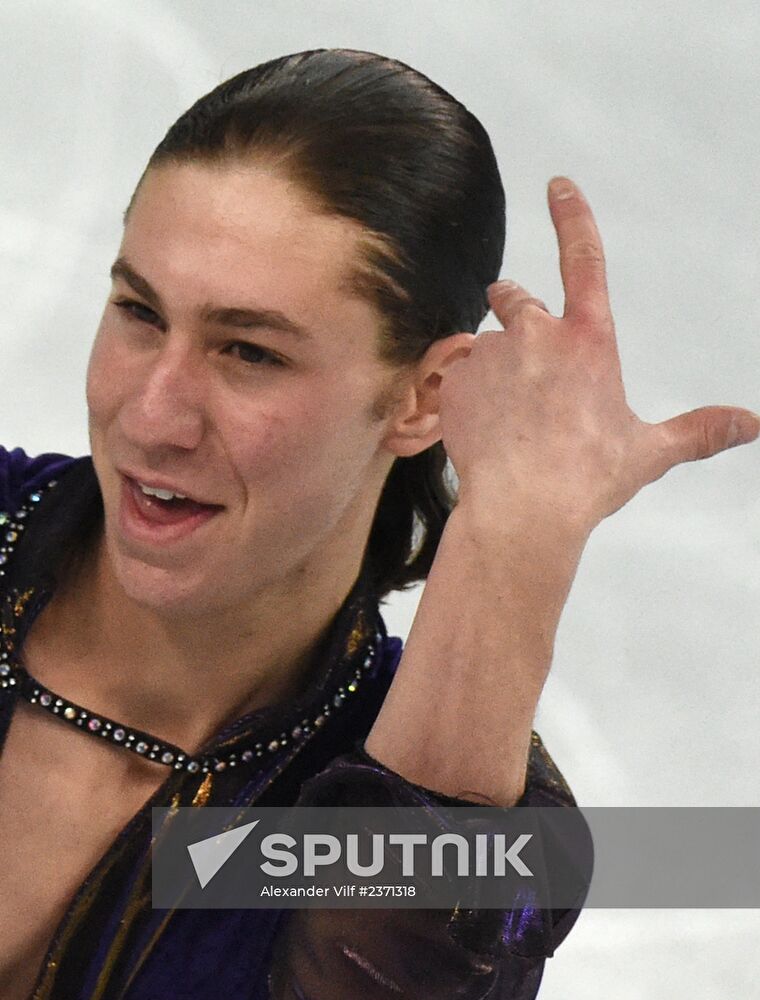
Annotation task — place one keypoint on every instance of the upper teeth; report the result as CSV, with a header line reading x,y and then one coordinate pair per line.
x,y
154,491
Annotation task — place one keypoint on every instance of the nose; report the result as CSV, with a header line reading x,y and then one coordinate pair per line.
x,y
166,411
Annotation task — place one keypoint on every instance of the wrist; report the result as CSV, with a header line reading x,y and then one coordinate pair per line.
x,y
491,516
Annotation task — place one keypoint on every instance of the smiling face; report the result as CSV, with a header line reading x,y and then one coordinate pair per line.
x,y
234,366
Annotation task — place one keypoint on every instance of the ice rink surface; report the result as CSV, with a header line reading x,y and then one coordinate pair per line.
x,y
654,696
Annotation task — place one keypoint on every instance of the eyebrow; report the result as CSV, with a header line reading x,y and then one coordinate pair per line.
x,y
245,317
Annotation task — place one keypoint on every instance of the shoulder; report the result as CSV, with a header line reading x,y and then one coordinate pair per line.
x,y
37,524
21,474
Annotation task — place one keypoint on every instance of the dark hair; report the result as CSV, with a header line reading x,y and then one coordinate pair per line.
x,y
372,140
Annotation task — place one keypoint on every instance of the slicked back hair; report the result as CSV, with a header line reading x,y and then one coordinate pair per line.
x,y
370,139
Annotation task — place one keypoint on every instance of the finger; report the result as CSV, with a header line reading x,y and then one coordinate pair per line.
x,y
506,298
581,255
702,433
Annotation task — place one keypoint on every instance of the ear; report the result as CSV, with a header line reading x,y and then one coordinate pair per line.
x,y
414,425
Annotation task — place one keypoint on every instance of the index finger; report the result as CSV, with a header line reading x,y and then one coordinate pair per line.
x,y
581,255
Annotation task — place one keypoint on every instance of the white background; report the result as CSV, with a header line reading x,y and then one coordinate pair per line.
x,y
653,108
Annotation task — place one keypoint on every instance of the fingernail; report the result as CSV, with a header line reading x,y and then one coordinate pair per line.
x,y
744,428
560,188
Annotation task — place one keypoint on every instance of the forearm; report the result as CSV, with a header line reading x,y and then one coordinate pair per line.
x,y
458,716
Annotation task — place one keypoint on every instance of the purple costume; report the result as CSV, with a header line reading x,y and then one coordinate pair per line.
x,y
111,944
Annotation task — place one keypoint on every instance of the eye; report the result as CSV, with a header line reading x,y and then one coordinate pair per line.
x,y
253,354
138,311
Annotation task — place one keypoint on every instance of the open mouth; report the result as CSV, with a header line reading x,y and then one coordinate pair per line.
x,y
161,514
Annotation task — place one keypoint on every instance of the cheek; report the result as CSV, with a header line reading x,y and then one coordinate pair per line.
x,y
306,445
103,380
114,374
268,445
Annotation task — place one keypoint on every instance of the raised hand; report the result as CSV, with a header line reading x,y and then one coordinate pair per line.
x,y
536,413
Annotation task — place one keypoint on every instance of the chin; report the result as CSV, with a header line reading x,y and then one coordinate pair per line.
x,y
166,591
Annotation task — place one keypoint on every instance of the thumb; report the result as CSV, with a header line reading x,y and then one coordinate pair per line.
x,y
703,433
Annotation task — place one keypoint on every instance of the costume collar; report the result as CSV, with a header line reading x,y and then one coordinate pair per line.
x,y
60,518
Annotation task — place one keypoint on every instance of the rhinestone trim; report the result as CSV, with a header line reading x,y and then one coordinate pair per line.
x,y
12,525
14,675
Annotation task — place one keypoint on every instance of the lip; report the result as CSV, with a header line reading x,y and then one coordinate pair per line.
x,y
136,524
164,484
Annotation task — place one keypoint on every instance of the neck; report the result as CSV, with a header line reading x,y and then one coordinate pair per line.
x,y
181,678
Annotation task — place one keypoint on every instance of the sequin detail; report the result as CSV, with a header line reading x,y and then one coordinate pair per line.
x,y
14,675
12,525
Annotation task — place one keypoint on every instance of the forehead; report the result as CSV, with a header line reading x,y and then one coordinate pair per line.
x,y
221,233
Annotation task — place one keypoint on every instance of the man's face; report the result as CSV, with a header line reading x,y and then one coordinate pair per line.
x,y
233,366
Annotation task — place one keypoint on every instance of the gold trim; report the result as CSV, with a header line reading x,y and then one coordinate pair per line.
x,y
204,791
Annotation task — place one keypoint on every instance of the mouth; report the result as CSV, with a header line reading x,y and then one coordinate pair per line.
x,y
158,515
